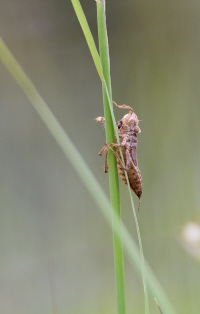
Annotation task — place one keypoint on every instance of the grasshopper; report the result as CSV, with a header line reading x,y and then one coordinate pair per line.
x,y
127,131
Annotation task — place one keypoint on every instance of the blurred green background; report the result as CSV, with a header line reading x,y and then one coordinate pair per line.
x,y
55,247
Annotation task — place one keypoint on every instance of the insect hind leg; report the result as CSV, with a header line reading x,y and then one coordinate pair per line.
x,y
107,147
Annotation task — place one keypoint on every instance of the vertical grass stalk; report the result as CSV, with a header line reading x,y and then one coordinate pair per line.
x,y
110,138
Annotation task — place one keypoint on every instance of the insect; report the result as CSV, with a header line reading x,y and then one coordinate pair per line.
x,y
127,130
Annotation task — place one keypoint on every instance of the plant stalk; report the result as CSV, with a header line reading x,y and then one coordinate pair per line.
x,y
113,174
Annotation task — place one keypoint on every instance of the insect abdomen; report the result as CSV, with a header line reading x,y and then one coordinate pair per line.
x,y
134,176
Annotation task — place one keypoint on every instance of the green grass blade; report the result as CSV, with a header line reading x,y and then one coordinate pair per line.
x,y
84,173
88,36
93,50
113,174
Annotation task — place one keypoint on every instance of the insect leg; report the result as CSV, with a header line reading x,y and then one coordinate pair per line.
x,y
123,106
128,156
103,150
106,163
109,146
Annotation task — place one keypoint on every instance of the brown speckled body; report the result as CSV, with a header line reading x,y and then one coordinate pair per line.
x,y
127,131
133,173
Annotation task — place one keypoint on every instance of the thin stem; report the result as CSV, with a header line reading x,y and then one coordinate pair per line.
x,y
113,174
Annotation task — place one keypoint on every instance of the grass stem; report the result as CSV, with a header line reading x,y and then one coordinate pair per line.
x,y
113,174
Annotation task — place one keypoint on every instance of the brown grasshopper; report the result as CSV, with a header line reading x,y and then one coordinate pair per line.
x,y
127,131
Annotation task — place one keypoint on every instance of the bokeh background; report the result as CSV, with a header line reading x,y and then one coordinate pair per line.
x,y
55,247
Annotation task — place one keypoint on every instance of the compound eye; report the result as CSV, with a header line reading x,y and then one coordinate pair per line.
x,y
119,124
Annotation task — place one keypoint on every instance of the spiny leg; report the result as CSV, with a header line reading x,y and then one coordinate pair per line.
x,y
128,156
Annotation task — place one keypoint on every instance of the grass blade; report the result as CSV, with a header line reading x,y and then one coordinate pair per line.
x,y
88,36
113,174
